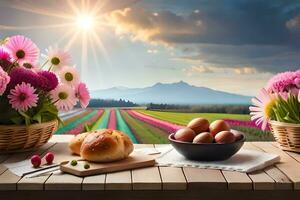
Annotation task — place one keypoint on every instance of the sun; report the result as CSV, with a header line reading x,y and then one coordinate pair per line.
x,y
85,21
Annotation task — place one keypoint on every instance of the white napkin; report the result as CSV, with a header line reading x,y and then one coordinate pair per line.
x,y
24,167
243,161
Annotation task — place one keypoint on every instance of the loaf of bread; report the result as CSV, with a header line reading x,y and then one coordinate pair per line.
x,y
106,145
75,143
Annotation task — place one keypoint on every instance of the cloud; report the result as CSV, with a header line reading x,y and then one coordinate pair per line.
x,y
264,58
245,70
194,70
158,27
152,51
229,22
294,23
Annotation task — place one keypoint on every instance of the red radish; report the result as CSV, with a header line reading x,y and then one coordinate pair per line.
x,y
49,157
36,161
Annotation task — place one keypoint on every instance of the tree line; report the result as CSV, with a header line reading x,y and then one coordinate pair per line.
x,y
231,109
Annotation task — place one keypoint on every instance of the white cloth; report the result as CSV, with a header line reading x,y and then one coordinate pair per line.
x,y
243,161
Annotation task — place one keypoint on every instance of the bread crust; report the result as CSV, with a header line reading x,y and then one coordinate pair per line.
x,y
106,145
75,143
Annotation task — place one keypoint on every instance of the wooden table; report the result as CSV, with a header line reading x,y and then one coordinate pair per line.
x,y
276,182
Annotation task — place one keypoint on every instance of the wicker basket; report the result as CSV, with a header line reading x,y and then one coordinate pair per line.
x,y
287,135
14,138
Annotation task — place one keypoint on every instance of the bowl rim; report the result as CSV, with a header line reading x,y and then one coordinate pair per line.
x,y
190,143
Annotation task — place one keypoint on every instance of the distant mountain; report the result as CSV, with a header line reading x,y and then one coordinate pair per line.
x,y
173,93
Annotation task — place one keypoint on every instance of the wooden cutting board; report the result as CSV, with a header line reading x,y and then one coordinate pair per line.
x,y
132,162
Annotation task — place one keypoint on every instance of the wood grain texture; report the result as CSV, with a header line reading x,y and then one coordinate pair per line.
x,y
204,179
61,152
237,180
118,181
172,178
261,180
146,179
96,182
60,181
8,180
282,182
288,165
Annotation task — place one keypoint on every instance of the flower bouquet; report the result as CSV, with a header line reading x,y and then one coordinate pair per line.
x,y
31,95
278,105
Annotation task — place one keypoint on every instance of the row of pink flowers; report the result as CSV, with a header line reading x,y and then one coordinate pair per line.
x,y
80,127
112,123
250,124
167,126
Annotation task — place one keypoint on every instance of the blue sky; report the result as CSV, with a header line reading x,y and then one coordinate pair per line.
x,y
234,46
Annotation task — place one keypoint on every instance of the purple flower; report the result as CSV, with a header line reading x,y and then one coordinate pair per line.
x,y
50,80
19,75
281,82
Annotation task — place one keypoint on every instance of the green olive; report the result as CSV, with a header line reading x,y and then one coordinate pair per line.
x,y
74,162
86,166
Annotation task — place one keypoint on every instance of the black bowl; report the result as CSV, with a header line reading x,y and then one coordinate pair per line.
x,y
206,152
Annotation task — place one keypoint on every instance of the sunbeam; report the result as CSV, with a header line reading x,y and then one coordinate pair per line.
x,y
31,9
4,27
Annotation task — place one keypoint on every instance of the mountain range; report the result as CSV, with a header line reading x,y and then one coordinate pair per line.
x,y
171,93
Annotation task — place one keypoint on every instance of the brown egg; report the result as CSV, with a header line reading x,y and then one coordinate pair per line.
x,y
185,135
199,125
224,137
204,137
237,134
218,126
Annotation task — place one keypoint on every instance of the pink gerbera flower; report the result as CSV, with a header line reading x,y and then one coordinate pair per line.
x,y
22,49
4,54
82,94
63,97
262,110
57,58
69,76
22,97
4,80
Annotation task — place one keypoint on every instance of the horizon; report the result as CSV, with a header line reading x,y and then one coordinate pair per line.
x,y
136,43
168,83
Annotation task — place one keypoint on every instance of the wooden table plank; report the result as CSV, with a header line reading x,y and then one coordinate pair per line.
x,y
8,180
146,178
172,178
288,165
118,181
63,181
282,182
96,182
204,179
61,152
261,180
237,180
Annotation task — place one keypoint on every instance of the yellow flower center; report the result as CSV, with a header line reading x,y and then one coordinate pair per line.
x,y
268,108
69,76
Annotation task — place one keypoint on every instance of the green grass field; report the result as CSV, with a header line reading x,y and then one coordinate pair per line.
x,y
184,118
145,133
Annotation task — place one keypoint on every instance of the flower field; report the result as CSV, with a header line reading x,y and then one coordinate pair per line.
x,y
146,127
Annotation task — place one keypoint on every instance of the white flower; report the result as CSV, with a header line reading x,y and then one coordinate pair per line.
x,y
69,76
57,58
63,97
